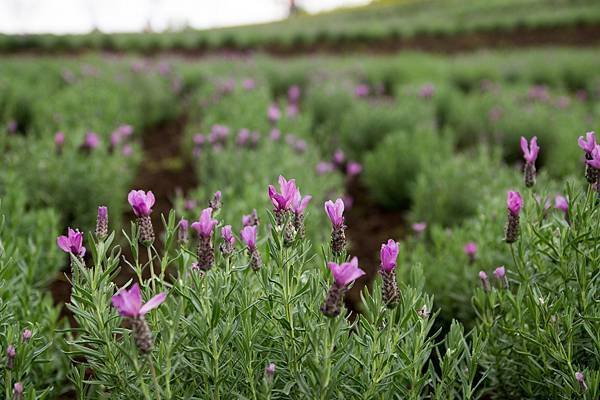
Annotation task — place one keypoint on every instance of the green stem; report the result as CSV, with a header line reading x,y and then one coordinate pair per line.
x,y
151,263
154,379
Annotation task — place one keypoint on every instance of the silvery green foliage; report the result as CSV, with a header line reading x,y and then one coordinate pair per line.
x,y
218,330
543,329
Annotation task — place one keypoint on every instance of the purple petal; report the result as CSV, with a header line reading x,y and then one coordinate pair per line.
x,y
153,303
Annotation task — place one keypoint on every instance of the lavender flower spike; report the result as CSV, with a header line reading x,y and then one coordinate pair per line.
x,y
388,256
141,203
500,274
250,219
102,223
72,243
470,250
129,304
59,142
215,203
343,275
249,238
530,153
335,212
484,281
11,353
282,200
588,145
182,231
204,227
580,377
228,244
514,202
18,391
299,204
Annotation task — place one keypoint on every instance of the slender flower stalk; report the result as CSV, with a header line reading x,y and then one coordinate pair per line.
x,y
388,256
335,212
249,238
343,276
588,145
470,250
129,304
141,203
182,231
102,223
530,153
227,246
514,203
204,227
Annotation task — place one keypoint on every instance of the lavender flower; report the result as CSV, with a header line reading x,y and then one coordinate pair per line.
x,y
11,353
273,113
243,137
90,142
353,169
580,377
182,231
270,372
215,203
26,335
484,281
228,244
343,275
248,84
427,91
299,204
59,142
362,90
250,219
275,134
18,391
500,274
249,238
141,203
335,212
470,250
514,202
388,256
102,223
324,167
561,203
294,94
588,145
72,243
129,304
339,158
530,153
282,200
419,227
204,227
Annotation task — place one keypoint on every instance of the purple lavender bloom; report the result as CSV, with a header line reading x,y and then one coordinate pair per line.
x,y
561,203
125,130
282,200
243,137
249,237
300,146
91,141
538,93
26,335
346,273
129,302
127,150
530,150
324,167
299,203
353,169
427,91
248,84
294,94
339,158
72,243
292,110
270,371
59,142
275,134
484,281
227,234
580,377
594,160
273,113
500,272
206,224
514,202
199,140
141,202
183,228
250,219
189,204
102,223
470,250
589,143
335,212
419,227
362,90
11,353
388,255
18,391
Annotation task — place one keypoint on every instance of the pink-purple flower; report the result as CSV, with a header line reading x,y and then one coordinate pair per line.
x,y
353,168
282,200
530,150
141,202
91,141
335,212
589,143
227,234
324,167
346,273
470,249
248,234
299,203
500,272
419,227
206,224
72,243
129,302
388,255
561,203
273,113
594,160
514,202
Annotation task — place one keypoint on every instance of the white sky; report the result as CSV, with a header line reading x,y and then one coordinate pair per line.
x,y
79,16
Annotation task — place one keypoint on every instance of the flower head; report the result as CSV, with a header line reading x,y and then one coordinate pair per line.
x,y
353,168
249,236
339,157
500,272
419,227
141,202
275,134
470,249
273,113
514,202
324,167
595,158
91,141
335,212
561,203
129,302
362,90
227,234
299,203
205,225
59,139
530,150
26,335
294,93
250,219
72,243
388,255
282,200
346,273
270,369
589,143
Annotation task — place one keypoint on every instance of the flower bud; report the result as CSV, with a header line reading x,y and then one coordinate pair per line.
x,y
484,281
18,391
102,223
580,377
11,353
26,335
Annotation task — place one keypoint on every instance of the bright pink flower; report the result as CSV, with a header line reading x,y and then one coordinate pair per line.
x,y
388,255
227,234
283,200
59,139
589,143
91,141
470,249
129,302
335,212
199,140
561,203
249,236
353,168
514,202
141,202
299,203
362,90
72,243
530,150
595,158
205,225
346,273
